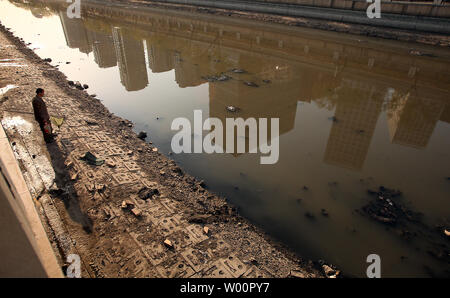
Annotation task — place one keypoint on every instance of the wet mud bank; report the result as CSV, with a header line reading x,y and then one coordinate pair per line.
x,y
135,212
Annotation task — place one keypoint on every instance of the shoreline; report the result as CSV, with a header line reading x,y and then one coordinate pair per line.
x,y
117,232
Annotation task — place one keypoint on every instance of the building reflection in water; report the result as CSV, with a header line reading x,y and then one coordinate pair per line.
x,y
356,82
131,59
354,122
412,120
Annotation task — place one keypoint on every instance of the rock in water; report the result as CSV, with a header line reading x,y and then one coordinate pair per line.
x,y
142,135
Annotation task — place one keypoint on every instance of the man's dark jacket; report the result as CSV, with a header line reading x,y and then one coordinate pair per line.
x,y
40,110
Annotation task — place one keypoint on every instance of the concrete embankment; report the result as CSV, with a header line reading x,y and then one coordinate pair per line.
x,y
136,215
413,18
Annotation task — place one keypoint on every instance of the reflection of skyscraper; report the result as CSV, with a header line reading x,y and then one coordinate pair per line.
x,y
412,120
131,59
75,33
103,47
356,116
187,74
159,59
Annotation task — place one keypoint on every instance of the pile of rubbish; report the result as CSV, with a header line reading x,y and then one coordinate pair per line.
x,y
384,209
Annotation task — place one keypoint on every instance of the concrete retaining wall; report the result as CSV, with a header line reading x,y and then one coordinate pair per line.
x,y
391,20
25,250
429,9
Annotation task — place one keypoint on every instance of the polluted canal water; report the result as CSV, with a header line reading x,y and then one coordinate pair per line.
x,y
364,123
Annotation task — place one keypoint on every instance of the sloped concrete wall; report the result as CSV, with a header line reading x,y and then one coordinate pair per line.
x,y
25,250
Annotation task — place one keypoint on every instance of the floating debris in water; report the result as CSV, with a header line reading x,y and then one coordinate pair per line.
x,y
309,215
237,70
251,84
419,53
232,109
223,78
334,119
217,78
142,135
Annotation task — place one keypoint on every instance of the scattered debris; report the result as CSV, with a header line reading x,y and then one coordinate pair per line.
x,y
309,215
146,193
168,243
334,119
142,135
223,78
100,187
330,272
199,218
92,159
296,274
419,53
74,177
324,212
136,212
205,230
126,204
250,84
155,149
78,86
232,109
238,70
85,86
217,78
47,60
90,122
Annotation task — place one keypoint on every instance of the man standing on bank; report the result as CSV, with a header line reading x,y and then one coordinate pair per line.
x,y
41,115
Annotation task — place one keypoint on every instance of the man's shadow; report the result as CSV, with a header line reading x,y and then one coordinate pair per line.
x,y
65,188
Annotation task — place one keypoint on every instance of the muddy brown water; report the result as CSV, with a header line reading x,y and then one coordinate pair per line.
x,y
355,113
